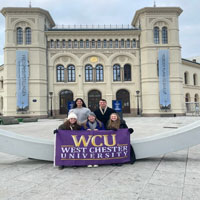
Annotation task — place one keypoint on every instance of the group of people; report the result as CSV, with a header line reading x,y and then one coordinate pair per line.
x,y
104,118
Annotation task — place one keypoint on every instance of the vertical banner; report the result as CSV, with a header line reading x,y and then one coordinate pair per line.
x,y
163,57
22,73
75,148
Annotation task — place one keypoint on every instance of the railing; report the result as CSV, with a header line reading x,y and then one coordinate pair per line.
x,y
192,108
122,26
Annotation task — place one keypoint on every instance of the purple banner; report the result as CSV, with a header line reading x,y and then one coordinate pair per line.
x,y
79,148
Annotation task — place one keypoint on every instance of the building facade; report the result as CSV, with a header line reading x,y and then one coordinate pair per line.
x,y
46,67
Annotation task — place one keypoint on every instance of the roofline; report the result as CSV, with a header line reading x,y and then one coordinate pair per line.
x,y
154,10
190,61
29,10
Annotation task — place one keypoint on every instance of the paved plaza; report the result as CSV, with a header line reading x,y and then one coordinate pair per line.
x,y
173,176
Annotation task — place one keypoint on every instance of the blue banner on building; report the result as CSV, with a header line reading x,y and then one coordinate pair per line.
x,y
163,57
117,105
22,73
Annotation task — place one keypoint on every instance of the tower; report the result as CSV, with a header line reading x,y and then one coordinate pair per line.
x,y
160,35
25,61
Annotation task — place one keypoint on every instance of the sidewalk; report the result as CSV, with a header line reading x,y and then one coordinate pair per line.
x,y
174,176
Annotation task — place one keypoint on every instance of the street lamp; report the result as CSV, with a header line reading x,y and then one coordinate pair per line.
x,y
51,97
138,108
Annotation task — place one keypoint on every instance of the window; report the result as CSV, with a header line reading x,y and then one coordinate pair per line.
x,y
186,81
88,73
60,73
134,43
116,73
128,43
164,35
75,44
71,73
196,98
156,35
63,44
104,44
98,43
110,44
127,72
57,44
51,44
28,35
93,43
99,73
195,79
122,43
69,44
87,44
19,35
116,44
81,43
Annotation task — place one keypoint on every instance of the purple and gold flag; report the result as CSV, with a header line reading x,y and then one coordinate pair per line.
x,y
78,148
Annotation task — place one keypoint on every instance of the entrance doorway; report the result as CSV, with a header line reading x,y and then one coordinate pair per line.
x,y
65,97
124,96
93,99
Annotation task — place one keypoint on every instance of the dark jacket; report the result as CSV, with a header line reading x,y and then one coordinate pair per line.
x,y
66,126
104,117
99,126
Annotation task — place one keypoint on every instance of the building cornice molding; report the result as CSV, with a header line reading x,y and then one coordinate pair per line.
x,y
21,10
154,10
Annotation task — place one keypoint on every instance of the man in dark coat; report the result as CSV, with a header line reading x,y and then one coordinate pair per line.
x,y
103,112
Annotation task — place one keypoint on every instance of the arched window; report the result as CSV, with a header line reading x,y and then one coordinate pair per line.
x,y
196,98
88,73
71,73
28,35
93,99
187,100
63,44
195,79
51,44
116,43
69,44
93,43
127,72
156,35
128,43
87,44
81,43
110,43
99,73
134,43
60,73
186,78
57,43
98,43
75,44
19,35
116,73
122,43
104,44
124,96
164,35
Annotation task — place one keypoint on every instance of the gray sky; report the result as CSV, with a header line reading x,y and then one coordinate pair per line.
x,y
113,12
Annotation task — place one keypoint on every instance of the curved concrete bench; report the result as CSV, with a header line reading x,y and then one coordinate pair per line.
x,y
171,141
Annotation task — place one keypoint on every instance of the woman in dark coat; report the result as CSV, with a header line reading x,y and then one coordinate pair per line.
x,y
115,123
70,123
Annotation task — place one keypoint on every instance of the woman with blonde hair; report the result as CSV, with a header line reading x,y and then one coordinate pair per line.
x,y
115,123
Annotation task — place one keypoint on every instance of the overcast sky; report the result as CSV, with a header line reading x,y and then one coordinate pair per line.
x,y
113,12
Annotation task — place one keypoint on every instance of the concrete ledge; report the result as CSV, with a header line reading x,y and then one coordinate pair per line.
x,y
171,141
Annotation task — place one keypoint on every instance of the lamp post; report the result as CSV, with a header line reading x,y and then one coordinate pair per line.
x,y
51,97
138,106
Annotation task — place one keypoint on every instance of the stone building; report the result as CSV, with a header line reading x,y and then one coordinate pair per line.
x,y
46,67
